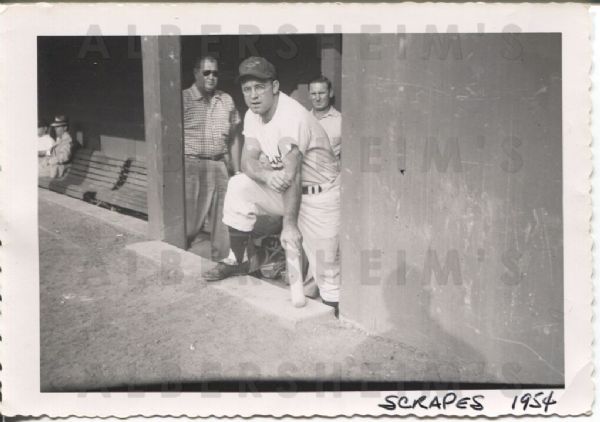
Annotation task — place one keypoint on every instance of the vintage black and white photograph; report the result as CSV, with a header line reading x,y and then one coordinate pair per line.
x,y
407,187
304,212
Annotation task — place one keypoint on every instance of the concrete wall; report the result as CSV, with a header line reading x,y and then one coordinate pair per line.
x,y
452,205
114,146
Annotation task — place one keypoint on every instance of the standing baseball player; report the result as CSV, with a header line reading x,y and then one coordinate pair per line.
x,y
289,169
212,150
321,95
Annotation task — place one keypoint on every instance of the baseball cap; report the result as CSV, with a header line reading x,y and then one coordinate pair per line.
x,y
258,67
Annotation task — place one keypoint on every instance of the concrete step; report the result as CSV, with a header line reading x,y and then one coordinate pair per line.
x,y
265,297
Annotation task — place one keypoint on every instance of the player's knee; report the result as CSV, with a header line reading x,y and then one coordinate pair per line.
x,y
238,189
238,184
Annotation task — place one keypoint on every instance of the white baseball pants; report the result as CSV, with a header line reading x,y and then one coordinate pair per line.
x,y
318,221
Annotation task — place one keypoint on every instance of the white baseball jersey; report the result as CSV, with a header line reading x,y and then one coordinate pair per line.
x,y
332,123
293,124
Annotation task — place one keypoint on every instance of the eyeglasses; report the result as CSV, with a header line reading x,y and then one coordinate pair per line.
x,y
215,73
258,88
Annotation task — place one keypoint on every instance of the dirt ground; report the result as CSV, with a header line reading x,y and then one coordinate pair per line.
x,y
107,322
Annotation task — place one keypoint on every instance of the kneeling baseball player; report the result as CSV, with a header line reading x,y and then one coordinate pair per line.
x,y
289,169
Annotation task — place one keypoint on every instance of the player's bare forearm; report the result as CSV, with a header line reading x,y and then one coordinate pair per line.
x,y
291,202
291,238
250,161
292,164
252,167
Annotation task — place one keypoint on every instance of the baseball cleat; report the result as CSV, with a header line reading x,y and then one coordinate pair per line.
x,y
335,306
223,271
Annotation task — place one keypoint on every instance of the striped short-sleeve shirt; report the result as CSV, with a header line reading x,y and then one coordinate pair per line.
x,y
208,122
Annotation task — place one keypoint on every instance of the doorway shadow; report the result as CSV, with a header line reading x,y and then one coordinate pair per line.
x,y
414,349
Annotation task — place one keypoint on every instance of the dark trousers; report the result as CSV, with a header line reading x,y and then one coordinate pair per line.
x,y
205,188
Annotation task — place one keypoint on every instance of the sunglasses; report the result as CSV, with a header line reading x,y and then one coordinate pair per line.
x,y
215,73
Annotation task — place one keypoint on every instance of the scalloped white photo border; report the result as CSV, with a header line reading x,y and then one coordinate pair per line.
x,y
19,324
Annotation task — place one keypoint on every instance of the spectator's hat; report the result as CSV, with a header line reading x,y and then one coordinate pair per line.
x,y
256,67
60,121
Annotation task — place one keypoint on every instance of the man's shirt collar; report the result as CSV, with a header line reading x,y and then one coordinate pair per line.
x,y
197,95
332,112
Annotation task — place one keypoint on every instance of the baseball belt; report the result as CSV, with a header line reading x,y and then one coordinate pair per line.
x,y
218,157
315,189
311,190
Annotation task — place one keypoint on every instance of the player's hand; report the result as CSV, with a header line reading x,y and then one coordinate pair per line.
x,y
278,181
291,238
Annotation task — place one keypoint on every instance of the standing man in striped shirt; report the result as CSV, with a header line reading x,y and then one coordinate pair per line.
x,y
212,147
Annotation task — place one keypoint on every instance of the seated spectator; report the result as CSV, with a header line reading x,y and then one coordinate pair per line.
x,y
45,141
60,153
